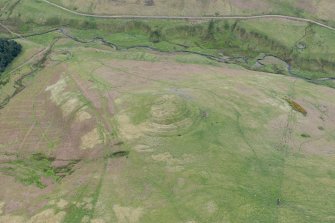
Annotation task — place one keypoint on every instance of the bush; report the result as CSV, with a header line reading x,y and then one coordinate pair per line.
x,y
155,36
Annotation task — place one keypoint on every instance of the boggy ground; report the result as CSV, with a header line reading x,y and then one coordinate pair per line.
x,y
97,138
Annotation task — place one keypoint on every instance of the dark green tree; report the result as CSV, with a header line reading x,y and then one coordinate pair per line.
x,y
9,49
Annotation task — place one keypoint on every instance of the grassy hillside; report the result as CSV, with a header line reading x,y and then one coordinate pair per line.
x,y
165,121
141,136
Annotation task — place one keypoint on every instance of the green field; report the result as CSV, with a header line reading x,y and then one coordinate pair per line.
x,y
179,121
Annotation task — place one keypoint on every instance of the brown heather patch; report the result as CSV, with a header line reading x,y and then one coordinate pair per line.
x,y
296,107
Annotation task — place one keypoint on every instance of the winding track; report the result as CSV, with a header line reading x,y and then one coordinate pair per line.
x,y
191,17
10,31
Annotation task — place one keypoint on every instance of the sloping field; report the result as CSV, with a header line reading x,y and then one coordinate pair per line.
x,y
99,135
322,9
132,121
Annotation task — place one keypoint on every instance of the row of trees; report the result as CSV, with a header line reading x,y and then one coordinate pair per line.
x,y
9,49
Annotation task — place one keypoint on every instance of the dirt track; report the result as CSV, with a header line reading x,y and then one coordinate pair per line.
x,y
191,17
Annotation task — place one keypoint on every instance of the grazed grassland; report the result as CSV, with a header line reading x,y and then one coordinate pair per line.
x,y
165,121
200,142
